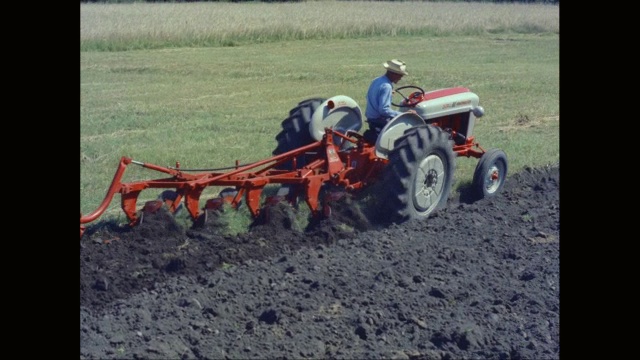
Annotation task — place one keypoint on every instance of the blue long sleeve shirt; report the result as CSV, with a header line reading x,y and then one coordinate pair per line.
x,y
379,99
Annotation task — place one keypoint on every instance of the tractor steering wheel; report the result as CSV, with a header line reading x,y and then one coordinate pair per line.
x,y
413,99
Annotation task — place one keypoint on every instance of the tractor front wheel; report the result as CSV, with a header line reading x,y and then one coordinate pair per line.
x,y
490,173
419,176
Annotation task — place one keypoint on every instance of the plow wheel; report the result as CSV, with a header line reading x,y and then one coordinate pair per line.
x,y
490,174
419,176
295,131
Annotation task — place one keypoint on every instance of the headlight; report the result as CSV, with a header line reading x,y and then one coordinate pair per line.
x,y
478,111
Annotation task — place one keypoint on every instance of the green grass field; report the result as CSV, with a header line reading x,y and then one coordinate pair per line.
x,y
221,96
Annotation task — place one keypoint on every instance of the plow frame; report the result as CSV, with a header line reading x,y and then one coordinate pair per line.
x,y
351,165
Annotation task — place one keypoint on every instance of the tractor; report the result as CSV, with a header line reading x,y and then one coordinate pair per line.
x,y
322,154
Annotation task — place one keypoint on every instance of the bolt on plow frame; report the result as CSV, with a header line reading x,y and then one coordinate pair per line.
x,y
320,147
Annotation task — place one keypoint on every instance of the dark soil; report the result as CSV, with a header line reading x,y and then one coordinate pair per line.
x,y
476,280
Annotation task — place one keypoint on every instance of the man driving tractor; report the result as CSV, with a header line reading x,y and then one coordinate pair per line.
x,y
379,111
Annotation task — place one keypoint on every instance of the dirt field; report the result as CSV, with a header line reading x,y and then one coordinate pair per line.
x,y
476,280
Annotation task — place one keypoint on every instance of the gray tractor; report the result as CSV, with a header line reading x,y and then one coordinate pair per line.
x,y
418,150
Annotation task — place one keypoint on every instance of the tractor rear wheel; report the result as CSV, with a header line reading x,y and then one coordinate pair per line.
x,y
419,176
295,130
490,174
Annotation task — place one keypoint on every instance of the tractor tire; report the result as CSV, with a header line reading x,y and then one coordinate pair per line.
x,y
490,174
295,131
419,176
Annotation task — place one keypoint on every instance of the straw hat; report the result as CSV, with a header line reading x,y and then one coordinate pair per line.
x,y
396,66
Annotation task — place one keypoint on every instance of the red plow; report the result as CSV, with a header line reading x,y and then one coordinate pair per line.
x,y
330,166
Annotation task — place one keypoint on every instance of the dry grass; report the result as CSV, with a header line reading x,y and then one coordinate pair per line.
x,y
226,23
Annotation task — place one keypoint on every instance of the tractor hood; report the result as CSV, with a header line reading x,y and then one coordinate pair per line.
x,y
443,102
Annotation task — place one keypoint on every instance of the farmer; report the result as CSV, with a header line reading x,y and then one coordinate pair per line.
x,y
379,111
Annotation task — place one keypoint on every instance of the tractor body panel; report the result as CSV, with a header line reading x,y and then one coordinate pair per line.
x,y
450,108
340,113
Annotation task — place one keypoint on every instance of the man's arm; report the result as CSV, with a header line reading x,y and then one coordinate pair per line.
x,y
385,102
